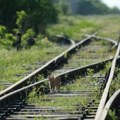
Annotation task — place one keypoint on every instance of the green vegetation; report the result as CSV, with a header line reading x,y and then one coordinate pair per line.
x,y
37,14
13,63
89,83
44,49
67,103
73,27
96,51
116,82
111,115
70,103
76,27
43,19
84,7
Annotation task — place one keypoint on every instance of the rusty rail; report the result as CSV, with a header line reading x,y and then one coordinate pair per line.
x,y
106,90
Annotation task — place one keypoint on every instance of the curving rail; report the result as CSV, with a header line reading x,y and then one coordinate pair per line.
x,y
110,102
106,90
107,39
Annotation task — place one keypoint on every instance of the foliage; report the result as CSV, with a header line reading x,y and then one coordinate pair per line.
x,y
6,39
13,63
40,13
111,115
91,7
85,7
73,28
9,36
116,81
62,6
29,34
90,71
21,18
7,12
2,31
44,43
115,10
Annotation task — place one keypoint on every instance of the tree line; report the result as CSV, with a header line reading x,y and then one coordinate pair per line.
x,y
24,14
84,7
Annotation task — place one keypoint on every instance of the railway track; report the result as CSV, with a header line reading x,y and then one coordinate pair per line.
x,y
83,85
53,64
38,65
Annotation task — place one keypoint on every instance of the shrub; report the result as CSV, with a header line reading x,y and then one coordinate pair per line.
x,y
2,31
8,40
29,33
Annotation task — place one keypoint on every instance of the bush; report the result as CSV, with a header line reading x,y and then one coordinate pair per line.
x,y
29,33
43,42
8,40
2,31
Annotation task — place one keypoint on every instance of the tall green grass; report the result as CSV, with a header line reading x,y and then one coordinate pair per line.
x,y
73,27
15,62
76,26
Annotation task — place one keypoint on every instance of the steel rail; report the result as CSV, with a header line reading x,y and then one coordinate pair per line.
x,y
109,104
106,90
102,38
83,70
57,60
20,90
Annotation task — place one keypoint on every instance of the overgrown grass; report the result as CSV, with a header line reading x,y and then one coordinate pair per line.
x,y
72,103
66,103
76,26
111,115
90,83
13,63
116,82
112,29
73,27
94,52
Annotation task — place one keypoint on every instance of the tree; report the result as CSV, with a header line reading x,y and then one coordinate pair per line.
x,y
92,7
115,10
40,13
7,12
86,7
